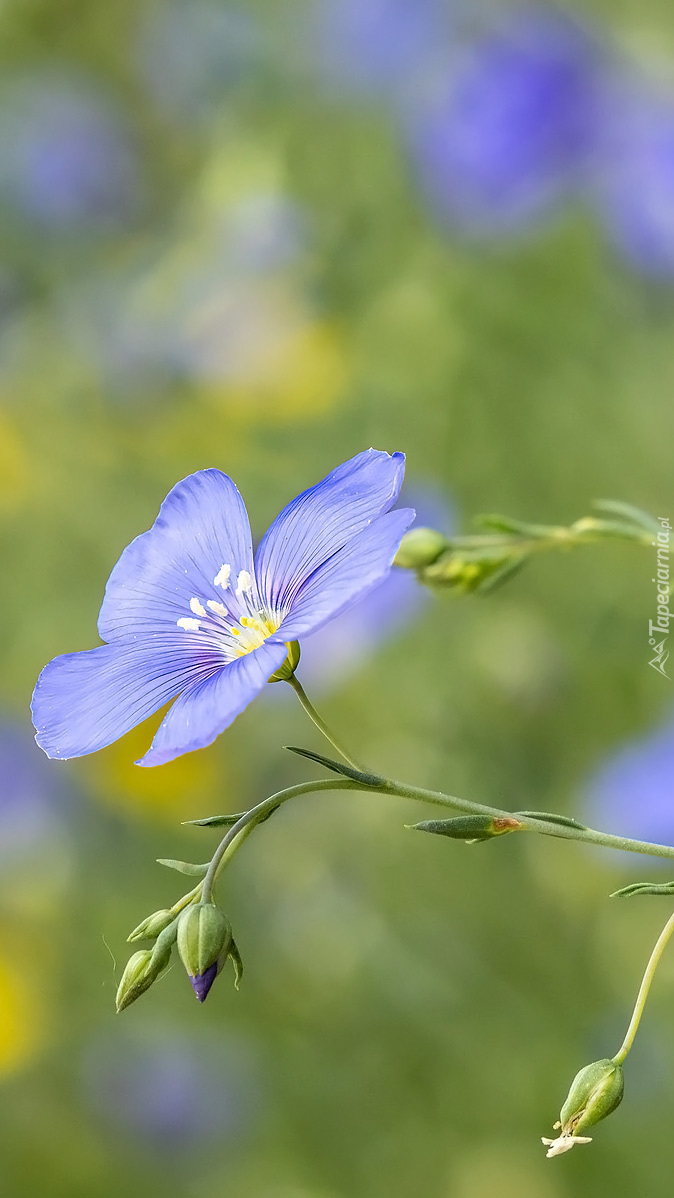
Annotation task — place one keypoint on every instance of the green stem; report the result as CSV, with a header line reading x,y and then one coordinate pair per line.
x,y
644,988
235,835
249,819
320,724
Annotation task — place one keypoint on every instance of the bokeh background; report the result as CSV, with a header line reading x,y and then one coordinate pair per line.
x,y
264,235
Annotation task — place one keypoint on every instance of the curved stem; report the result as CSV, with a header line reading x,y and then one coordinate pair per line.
x,y
543,827
644,988
226,849
320,724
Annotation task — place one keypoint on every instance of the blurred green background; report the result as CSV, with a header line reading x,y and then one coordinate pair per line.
x,y
218,249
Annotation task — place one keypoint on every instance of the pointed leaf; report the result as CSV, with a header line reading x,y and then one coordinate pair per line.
x,y
338,768
184,867
644,888
549,818
617,508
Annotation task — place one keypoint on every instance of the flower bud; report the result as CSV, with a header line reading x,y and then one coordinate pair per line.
x,y
470,828
466,570
595,1092
290,664
142,969
150,928
420,547
204,943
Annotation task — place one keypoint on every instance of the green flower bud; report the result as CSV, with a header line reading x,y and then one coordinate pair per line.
x,y
204,943
290,664
419,548
142,969
470,827
595,1092
150,928
478,569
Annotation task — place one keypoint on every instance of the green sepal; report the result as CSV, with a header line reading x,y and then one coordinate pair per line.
x,y
235,957
470,828
475,564
185,867
152,926
420,547
337,767
565,821
497,577
595,1092
644,888
287,669
204,935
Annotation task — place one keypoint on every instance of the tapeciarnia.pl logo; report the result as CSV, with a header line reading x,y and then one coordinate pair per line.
x,y
658,629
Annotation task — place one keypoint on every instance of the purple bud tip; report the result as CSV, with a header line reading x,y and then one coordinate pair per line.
x,y
202,982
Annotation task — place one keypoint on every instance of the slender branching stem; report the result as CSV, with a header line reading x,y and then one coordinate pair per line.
x,y
320,723
653,962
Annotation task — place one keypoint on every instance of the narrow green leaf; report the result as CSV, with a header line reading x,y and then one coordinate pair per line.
x,y
216,821
337,767
564,820
184,867
644,888
617,508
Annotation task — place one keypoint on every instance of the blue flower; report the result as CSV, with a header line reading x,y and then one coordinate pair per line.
x,y
634,176
630,793
510,132
172,1093
188,612
67,161
377,45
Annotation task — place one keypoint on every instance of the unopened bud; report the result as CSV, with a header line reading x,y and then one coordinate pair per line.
x,y
420,547
142,969
204,943
466,570
151,927
470,827
290,664
595,1092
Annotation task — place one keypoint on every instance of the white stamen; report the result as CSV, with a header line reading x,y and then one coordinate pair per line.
x,y
222,577
188,624
218,608
563,1143
244,583
197,607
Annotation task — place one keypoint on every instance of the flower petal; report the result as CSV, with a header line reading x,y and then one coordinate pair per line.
x,y
320,521
202,525
205,709
348,576
85,701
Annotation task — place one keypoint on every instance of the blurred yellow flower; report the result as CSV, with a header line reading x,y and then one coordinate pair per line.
x,y
22,1022
297,375
14,473
177,791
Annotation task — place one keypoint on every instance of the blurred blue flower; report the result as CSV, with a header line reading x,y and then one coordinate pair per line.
x,y
340,647
31,811
634,176
378,46
66,162
208,306
509,133
631,793
191,54
171,1092
190,615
